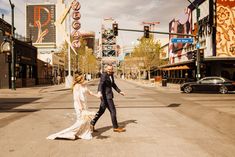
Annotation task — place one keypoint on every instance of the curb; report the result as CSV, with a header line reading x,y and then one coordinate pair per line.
x,y
155,84
31,90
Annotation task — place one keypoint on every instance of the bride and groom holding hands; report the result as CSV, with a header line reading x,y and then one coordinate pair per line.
x,y
86,120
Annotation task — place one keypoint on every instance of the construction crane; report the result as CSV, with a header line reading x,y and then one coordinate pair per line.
x,y
151,24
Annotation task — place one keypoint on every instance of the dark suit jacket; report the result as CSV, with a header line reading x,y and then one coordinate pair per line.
x,y
106,85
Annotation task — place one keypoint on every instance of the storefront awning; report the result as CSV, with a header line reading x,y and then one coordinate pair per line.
x,y
177,64
219,59
183,67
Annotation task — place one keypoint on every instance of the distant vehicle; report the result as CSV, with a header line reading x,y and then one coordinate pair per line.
x,y
209,84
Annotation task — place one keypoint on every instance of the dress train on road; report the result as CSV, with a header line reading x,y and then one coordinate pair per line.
x,y
80,129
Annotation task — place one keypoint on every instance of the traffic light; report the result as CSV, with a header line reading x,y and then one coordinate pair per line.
x,y
198,12
201,55
194,55
115,29
146,31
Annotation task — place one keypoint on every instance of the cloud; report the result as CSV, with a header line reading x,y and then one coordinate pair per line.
x,y
3,8
128,13
131,13
4,11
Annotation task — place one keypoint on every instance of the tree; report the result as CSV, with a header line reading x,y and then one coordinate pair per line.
x,y
64,54
148,51
85,61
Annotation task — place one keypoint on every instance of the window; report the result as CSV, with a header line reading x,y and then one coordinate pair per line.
x,y
29,71
207,80
218,80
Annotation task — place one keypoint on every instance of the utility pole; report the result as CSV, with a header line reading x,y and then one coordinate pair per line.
x,y
58,23
13,86
69,50
198,75
197,45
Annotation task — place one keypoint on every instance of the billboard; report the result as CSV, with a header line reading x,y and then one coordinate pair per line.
x,y
40,23
108,39
225,32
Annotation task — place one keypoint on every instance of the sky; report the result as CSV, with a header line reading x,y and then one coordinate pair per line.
x,y
129,14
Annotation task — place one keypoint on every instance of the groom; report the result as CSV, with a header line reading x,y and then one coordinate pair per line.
x,y
106,94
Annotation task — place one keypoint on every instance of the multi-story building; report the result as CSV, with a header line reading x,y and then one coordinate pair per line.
x,y
25,61
40,28
215,42
89,38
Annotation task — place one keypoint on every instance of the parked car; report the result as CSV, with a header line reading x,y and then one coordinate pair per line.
x,y
209,84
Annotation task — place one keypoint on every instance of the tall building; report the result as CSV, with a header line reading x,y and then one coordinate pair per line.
x,y
214,39
25,66
108,43
89,37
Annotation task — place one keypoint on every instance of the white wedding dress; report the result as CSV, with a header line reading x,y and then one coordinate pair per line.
x,y
81,128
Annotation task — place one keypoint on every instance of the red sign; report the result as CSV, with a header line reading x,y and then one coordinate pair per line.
x,y
226,3
76,15
76,24
76,34
75,5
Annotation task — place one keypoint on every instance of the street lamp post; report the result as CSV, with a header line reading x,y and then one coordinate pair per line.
x,y
198,75
13,86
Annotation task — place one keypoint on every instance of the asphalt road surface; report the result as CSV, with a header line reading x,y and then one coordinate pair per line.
x,y
160,122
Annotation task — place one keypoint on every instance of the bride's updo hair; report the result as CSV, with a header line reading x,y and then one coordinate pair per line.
x,y
78,79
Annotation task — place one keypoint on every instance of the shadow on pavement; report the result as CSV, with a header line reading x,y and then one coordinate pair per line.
x,y
7,120
9,103
174,105
99,131
57,108
143,106
60,90
209,92
19,110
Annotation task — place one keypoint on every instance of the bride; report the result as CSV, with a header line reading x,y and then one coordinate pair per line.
x,y
81,128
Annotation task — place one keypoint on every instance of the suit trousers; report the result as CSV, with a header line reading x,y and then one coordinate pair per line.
x,y
106,103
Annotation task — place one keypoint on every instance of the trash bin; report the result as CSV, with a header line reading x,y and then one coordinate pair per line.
x,y
164,82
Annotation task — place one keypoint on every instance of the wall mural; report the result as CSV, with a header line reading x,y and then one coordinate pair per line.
x,y
182,24
225,28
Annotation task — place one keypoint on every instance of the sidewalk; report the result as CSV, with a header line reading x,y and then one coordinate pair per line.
x,y
47,88
31,90
158,85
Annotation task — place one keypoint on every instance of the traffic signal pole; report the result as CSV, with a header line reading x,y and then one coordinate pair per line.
x,y
198,62
168,33
198,75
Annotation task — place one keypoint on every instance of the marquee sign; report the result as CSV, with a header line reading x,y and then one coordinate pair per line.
x,y
76,25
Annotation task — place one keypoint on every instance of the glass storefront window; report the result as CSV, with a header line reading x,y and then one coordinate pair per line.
x,y
28,71
17,71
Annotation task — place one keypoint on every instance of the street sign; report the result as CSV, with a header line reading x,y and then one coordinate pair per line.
x,y
198,45
182,40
